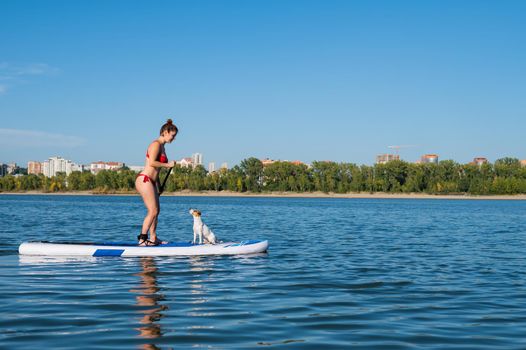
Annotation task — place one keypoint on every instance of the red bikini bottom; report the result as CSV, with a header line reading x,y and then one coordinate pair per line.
x,y
146,178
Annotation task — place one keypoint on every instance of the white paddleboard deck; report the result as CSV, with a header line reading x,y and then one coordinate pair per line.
x,y
132,249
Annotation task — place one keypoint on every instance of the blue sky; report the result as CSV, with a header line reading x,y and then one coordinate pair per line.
x,y
306,80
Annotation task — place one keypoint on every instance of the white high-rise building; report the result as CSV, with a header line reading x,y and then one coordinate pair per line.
x,y
55,165
224,166
45,168
197,159
211,167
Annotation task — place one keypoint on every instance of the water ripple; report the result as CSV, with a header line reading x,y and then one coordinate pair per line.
x,y
366,274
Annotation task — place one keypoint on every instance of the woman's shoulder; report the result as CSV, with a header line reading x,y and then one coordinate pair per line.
x,y
154,147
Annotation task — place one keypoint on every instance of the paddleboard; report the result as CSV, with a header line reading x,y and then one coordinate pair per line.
x,y
132,249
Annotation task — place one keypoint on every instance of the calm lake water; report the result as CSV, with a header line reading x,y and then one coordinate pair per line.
x,y
340,273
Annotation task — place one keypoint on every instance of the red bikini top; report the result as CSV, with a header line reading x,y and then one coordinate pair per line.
x,y
162,157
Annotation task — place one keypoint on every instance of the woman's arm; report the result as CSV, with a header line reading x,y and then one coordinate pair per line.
x,y
157,164
153,151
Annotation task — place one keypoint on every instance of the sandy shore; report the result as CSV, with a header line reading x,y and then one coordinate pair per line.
x,y
380,195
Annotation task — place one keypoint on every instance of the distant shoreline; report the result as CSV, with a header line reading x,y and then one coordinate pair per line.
x,y
378,195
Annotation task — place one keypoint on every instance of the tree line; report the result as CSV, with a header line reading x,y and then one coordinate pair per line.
x,y
505,176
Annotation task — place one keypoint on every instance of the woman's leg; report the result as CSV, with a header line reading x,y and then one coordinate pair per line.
x,y
151,201
153,227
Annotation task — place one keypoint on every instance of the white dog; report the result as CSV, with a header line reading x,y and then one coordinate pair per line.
x,y
201,230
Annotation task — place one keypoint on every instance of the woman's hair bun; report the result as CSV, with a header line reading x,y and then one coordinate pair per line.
x,y
169,126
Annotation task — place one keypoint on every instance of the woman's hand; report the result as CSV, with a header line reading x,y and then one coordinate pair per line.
x,y
170,164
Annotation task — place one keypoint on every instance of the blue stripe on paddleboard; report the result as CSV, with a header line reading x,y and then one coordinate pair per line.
x,y
108,252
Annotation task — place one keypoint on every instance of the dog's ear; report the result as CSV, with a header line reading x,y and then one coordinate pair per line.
x,y
198,212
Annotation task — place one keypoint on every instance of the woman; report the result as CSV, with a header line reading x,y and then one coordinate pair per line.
x,y
147,182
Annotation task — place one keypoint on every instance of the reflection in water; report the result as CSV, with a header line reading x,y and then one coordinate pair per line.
x,y
201,269
148,299
202,275
42,259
